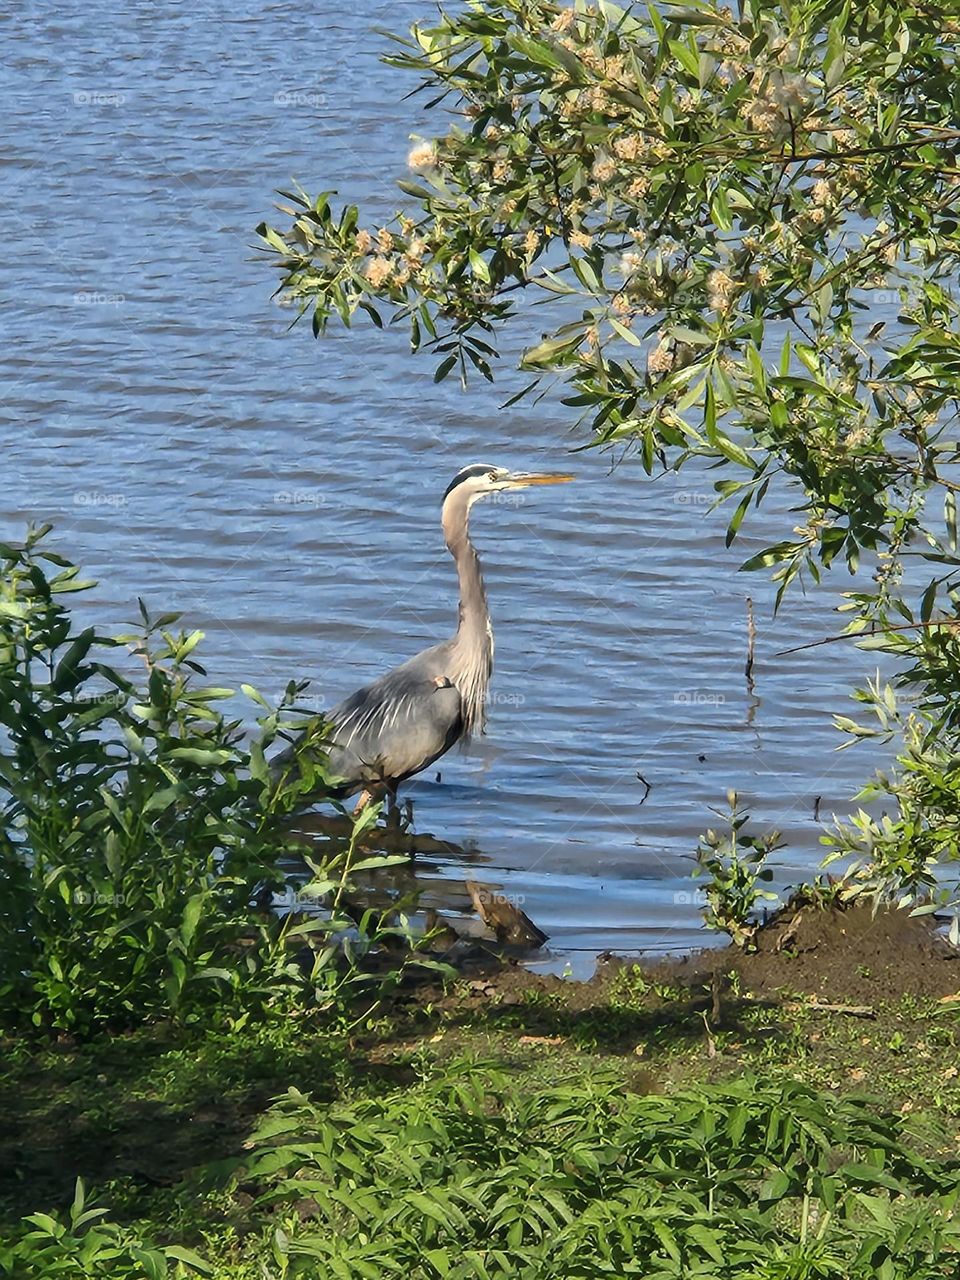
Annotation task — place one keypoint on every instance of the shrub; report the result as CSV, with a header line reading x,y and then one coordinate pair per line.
x,y
142,829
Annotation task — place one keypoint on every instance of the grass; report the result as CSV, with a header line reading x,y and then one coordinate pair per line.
x,y
156,1121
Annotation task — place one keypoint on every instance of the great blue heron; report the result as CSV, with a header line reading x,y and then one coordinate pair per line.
x,y
405,720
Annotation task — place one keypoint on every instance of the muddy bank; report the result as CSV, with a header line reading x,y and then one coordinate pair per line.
x,y
836,955
821,954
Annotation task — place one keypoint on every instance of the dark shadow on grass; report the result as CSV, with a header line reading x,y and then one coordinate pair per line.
x,y
591,1017
147,1109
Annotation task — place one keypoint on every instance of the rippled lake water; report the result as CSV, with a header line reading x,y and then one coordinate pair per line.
x,y
285,493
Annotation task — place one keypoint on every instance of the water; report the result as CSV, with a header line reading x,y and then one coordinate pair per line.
x,y
285,493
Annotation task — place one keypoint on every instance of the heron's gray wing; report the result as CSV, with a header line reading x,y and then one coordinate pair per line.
x,y
394,727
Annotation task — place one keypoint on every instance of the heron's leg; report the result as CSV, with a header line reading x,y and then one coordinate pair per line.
x,y
393,808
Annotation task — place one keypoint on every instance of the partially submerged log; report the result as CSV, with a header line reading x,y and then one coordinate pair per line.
x,y
509,923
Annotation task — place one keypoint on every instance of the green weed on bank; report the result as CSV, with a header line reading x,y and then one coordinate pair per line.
x,y
476,1174
473,1177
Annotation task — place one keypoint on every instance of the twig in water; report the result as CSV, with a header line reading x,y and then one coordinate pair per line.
x,y
751,643
642,779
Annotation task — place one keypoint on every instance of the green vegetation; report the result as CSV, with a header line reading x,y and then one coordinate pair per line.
x,y
143,831
473,1176
735,866
541,1129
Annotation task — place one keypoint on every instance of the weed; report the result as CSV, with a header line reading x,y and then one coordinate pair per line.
x,y
736,866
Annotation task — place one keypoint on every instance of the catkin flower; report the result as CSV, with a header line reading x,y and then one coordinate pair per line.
x,y
822,193
628,147
582,239
564,20
630,263
604,169
363,241
384,240
422,157
721,290
789,91
763,115
378,271
531,243
659,360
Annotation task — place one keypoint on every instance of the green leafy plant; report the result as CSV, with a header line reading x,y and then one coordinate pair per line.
x,y
86,1244
735,865
474,1175
898,858
143,831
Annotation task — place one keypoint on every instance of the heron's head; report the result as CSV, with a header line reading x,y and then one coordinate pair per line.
x,y
480,479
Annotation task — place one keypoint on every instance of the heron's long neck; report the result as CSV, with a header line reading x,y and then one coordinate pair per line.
x,y
474,638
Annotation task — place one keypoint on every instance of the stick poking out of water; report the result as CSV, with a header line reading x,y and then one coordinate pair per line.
x,y
751,643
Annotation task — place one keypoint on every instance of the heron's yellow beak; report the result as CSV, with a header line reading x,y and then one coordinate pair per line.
x,y
524,478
